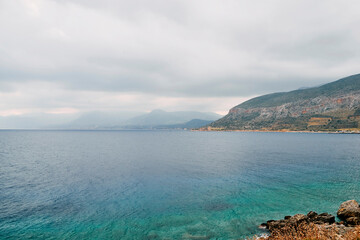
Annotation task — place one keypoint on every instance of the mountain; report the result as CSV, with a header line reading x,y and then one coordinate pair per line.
x,y
163,118
157,119
100,120
194,123
330,107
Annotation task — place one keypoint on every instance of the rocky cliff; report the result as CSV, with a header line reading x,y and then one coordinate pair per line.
x,y
331,107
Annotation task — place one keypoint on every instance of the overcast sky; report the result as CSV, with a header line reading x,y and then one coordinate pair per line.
x,y
69,56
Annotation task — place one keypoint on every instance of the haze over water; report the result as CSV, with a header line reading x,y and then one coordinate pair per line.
x,y
168,184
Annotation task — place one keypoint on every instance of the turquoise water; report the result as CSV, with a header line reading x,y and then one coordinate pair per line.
x,y
168,184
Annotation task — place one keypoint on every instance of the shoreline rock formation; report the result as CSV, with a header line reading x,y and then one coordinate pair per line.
x,y
348,213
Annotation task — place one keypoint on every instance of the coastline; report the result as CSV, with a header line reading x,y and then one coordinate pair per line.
x,y
316,226
278,131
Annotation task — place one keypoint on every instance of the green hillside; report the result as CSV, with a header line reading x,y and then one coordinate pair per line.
x,y
343,85
331,107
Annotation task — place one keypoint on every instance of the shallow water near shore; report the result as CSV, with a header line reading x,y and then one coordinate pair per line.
x,y
168,184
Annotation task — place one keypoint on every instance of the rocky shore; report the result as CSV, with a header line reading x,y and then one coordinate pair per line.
x,y
324,225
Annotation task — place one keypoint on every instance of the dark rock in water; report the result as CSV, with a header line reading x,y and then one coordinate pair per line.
x,y
287,217
349,209
196,237
263,226
268,223
273,225
312,214
151,236
323,218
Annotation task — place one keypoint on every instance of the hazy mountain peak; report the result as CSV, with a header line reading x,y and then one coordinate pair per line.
x,y
160,117
158,111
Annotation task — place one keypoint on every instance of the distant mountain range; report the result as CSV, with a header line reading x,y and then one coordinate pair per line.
x,y
157,119
331,107
99,120
162,119
195,123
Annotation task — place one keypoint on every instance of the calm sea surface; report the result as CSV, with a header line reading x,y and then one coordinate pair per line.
x,y
168,184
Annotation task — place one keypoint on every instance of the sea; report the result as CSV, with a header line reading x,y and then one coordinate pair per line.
x,y
168,184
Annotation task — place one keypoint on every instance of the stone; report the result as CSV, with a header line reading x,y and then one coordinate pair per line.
x,y
324,218
287,222
342,229
353,220
348,209
263,226
312,214
349,213
274,225
298,218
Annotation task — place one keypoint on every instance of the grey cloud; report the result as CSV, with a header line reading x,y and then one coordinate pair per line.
x,y
180,49
330,50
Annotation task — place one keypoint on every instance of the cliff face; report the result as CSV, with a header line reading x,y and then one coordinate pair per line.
x,y
331,107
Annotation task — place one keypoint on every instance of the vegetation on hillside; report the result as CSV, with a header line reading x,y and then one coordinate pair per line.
x,y
344,85
331,107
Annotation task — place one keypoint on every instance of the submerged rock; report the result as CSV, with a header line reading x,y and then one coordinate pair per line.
x,y
196,237
217,206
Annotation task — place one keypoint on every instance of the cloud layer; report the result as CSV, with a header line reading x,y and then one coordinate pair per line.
x,y
83,55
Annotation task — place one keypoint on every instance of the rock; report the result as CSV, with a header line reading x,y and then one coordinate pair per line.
x,y
274,225
298,218
324,218
349,213
268,223
289,221
348,209
353,220
342,229
263,226
311,214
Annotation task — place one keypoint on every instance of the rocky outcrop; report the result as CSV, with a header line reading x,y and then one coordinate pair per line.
x,y
293,221
349,211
